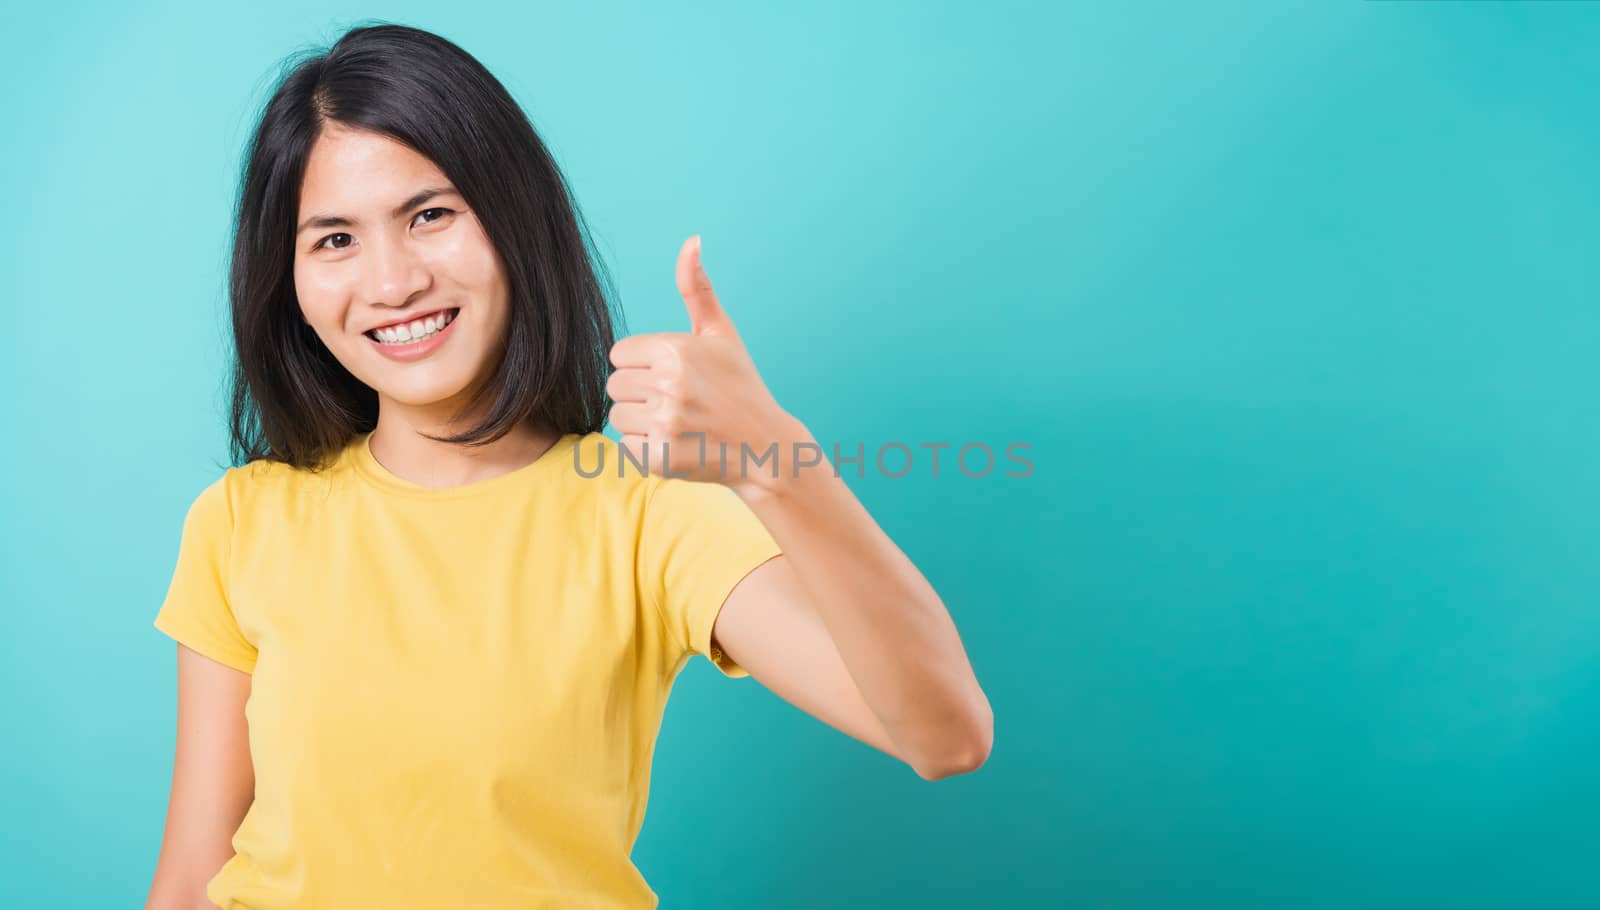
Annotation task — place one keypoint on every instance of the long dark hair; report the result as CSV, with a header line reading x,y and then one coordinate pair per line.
x,y
292,400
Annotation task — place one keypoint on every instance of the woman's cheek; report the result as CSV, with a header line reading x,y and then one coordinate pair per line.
x,y
319,300
476,256
461,258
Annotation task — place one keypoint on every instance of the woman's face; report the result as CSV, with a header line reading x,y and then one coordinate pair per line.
x,y
373,250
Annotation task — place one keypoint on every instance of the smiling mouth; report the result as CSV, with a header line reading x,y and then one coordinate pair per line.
x,y
416,330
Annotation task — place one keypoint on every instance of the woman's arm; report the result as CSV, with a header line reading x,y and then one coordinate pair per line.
x,y
886,664
876,623
213,782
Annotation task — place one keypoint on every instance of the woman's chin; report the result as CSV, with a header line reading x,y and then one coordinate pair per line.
x,y
422,395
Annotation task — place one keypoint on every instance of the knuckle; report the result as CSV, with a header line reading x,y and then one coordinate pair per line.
x,y
673,354
668,387
668,418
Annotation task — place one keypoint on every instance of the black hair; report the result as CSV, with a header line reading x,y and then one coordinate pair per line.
x,y
292,401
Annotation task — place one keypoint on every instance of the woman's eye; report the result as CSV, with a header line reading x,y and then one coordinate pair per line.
x,y
324,240
426,211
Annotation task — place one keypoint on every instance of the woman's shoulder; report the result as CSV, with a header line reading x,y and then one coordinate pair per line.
x,y
267,479
598,463
590,464
606,478
218,504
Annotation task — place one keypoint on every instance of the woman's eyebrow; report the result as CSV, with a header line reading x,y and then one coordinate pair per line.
x,y
332,221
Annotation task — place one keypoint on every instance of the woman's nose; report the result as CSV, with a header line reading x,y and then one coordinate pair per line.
x,y
393,273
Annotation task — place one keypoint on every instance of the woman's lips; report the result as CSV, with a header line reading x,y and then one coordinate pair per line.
x,y
416,350
442,311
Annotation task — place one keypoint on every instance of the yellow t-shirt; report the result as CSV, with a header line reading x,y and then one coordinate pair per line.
x,y
456,692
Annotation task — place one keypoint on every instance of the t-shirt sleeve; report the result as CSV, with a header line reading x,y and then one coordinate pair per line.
x,y
698,540
196,612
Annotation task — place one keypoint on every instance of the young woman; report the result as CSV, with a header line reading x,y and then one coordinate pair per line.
x,y
427,627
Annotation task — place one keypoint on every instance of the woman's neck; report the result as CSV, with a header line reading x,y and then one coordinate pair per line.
x,y
398,445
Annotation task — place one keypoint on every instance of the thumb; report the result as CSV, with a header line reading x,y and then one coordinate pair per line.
x,y
706,316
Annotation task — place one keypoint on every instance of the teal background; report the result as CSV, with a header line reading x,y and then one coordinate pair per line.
x,y
1294,302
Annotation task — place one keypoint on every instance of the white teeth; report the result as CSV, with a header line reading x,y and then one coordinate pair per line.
x,y
414,331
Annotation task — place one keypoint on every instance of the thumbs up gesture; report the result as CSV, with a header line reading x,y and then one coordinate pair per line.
x,y
669,384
